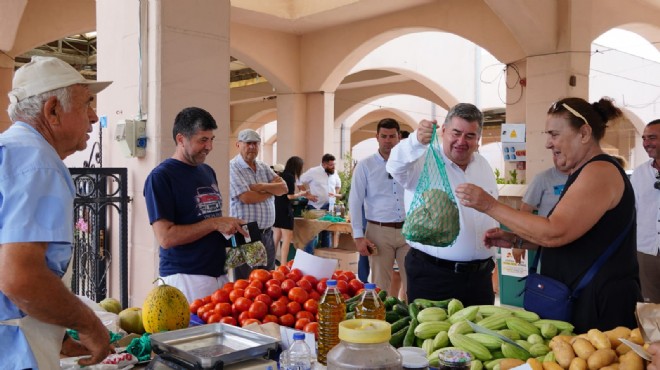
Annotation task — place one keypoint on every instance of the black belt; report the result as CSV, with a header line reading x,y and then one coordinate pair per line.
x,y
395,225
457,267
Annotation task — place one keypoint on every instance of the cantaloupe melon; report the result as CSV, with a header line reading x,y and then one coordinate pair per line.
x,y
165,309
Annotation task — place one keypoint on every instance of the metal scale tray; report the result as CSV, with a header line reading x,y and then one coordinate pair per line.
x,y
213,346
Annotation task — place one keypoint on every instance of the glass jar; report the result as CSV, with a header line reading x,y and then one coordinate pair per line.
x,y
454,359
364,345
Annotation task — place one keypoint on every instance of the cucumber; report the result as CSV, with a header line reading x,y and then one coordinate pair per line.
x,y
413,310
396,340
382,295
389,303
425,303
399,324
392,316
409,339
401,309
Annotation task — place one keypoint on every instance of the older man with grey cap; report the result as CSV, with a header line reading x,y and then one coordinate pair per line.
x,y
51,107
252,187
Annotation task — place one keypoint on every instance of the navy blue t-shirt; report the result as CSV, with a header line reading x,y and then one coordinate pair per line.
x,y
185,195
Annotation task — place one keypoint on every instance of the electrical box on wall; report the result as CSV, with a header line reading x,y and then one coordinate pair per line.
x,y
132,137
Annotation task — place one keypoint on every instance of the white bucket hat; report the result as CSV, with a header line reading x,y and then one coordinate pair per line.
x,y
43,74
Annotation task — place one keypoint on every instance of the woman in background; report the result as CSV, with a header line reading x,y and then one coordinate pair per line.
x,y
283,226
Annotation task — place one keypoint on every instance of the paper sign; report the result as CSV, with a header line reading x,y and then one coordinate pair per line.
x,y
513,133
318,267
514,152
511,267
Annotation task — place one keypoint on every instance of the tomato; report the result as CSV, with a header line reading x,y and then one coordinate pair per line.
x,y
195,305
251,292
305,284
274,291
336,274
315,295
265,298
220,295
258,310
278,275
257,284
305,315
260,274
228,320
345,296
311,305
287,285
312,327
213,318
300,323
247,322
228,287
278,308
321,286
350,275
243,304
206,307
273,282
342,286
342,277
298,294
293,307
312,280
206,314
284,299
243,316
270,318
294,275
235,294
223,308
241,284
289,264
206,299
354,285
283,269
287,320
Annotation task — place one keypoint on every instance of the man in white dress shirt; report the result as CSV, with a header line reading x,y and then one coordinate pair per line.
x,y
464,269
379,197
646,182
323,183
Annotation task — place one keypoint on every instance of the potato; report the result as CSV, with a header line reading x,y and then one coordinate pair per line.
x,y
622,349
563,353
616,333
636,337
599,339
534,364
614,366
578,364
548,365
510,363
583,348
601,358
631,361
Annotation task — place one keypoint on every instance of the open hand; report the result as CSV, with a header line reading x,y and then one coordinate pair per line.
x,y
472,196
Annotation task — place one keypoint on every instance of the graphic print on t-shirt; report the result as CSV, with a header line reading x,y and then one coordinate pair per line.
x,y
208,200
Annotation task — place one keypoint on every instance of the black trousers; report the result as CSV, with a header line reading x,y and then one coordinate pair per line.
x,y
437,279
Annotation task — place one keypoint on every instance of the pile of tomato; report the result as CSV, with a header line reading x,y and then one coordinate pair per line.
x,y
284,296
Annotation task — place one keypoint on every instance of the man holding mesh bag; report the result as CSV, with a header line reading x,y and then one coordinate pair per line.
x,y
447,258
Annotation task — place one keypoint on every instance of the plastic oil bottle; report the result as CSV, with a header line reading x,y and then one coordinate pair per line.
x,y
370,305
332,311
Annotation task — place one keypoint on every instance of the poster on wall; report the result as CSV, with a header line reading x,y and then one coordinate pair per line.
x,y
513,142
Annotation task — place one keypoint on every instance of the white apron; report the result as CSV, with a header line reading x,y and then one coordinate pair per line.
x,y
45,340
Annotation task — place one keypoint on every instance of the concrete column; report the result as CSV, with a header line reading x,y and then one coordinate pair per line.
x,y
291,127
163,56
6,75
320,128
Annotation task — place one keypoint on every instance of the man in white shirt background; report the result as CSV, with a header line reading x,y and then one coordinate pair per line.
x,y
323,183
379,197
464,269
646,182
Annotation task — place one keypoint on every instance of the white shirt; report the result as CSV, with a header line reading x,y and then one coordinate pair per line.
x,y
647,200
406,163
320,184
374,193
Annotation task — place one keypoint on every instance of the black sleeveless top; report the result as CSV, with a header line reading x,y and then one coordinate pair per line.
x,y
610,298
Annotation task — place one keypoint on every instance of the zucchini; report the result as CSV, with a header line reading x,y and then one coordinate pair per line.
x,y
350,315
425,303
409,339
396,340
399,324
351,306
413,310
391,316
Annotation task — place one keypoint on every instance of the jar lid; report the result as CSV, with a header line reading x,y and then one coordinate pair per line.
x,y
414,362
454,356
405,351
365,331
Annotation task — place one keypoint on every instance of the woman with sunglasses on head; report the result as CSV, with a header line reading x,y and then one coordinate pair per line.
x,y
596,206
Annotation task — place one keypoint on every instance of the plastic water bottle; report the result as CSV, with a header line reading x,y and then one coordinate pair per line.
x,y
370,306
332,311
298,357
331,205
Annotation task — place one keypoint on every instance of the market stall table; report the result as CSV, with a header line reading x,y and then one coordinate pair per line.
x,y
305,230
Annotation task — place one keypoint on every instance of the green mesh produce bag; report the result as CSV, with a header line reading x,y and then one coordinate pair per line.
x,y
433,217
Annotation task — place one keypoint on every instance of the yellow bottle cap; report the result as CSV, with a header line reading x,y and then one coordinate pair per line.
x,y
365,331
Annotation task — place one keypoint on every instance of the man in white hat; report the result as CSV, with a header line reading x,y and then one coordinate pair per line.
x,y
252,187
50,105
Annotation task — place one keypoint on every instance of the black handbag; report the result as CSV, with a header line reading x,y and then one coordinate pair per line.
x,y
552,299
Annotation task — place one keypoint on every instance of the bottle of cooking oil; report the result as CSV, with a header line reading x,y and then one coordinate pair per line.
x,y
332,311
370,305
